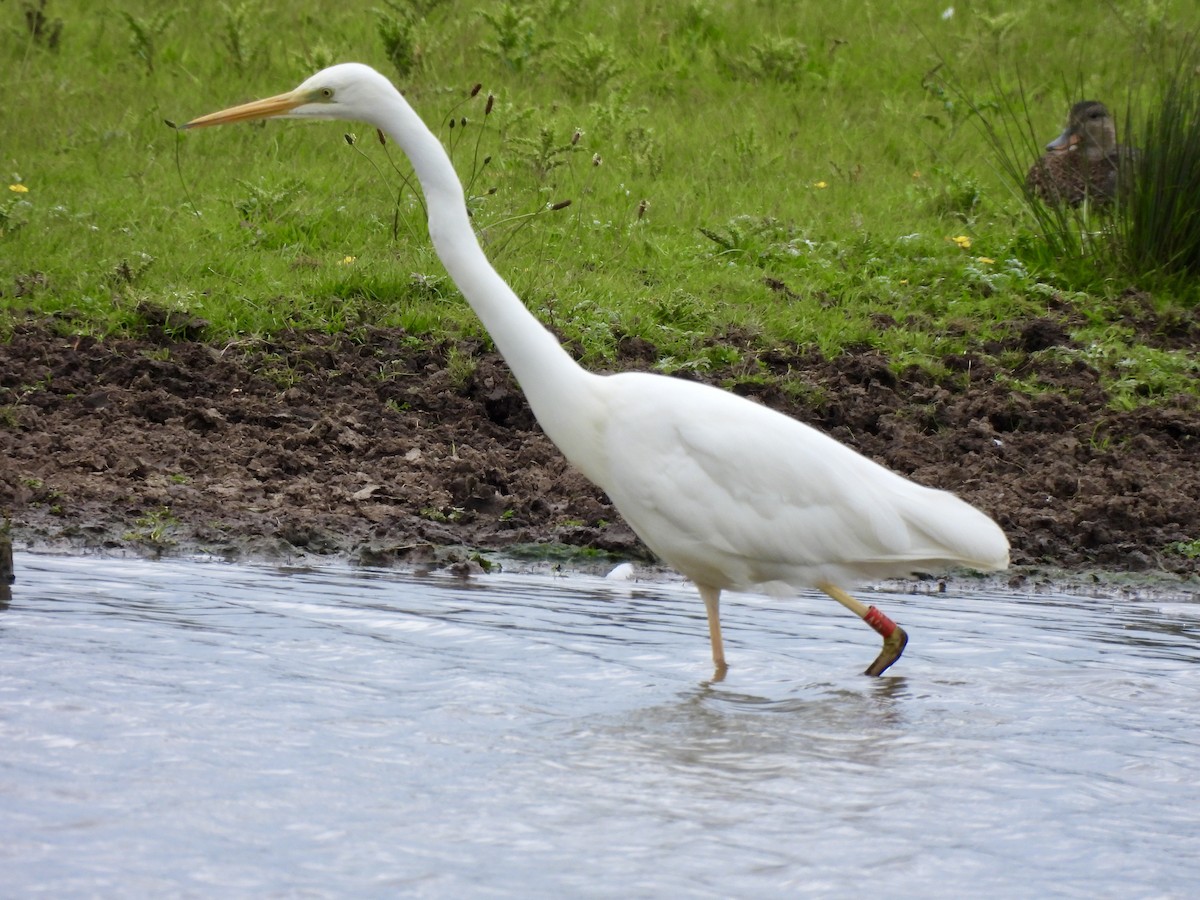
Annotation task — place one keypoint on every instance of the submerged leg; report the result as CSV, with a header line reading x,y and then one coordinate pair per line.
x,y
893,635
712,602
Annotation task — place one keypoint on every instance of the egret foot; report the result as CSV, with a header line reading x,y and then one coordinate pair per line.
x,y
894,640
893,646
893,635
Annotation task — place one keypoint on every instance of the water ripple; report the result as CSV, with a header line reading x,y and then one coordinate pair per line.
x,y
193,728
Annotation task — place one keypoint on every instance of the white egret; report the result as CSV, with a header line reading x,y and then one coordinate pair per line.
x,y
730,493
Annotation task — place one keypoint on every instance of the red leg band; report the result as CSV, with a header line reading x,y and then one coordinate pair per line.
x,y
879,622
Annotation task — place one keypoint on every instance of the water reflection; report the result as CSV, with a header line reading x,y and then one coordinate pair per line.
x,y
183,728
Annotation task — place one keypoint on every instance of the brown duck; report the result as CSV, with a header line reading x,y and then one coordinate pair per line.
x,y
1082,162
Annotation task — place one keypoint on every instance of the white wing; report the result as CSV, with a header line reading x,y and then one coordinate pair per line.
x,y
734,494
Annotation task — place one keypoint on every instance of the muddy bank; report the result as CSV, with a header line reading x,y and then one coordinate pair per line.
x,y
371,448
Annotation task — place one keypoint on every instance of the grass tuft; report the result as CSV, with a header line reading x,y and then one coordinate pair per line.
x,y
731,169
1160,225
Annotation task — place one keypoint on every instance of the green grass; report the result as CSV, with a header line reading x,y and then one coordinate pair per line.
x,y
787,173
1161,233
1150,235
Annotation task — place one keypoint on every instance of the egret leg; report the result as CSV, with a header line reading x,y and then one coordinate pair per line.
x,y
894,637
712,605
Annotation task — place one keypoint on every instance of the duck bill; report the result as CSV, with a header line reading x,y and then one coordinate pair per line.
x,y
1064,141
271,107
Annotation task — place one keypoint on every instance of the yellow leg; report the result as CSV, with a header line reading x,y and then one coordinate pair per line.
x,y
712,604
894,637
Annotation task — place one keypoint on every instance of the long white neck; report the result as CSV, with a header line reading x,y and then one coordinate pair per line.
x,y
558,389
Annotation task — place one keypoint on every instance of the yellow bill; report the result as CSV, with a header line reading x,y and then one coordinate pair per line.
x,y
279,105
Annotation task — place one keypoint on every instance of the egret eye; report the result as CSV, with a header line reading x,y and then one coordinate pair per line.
x,y
326,93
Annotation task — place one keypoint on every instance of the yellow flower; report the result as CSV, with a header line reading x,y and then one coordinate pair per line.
x,y
963,242
820,184
917,173
986,260
346,260
904,281
18,189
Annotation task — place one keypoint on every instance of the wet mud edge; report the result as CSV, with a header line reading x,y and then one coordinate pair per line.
x,y
372,448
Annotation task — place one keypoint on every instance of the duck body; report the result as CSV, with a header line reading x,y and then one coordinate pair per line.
x,y
1081,164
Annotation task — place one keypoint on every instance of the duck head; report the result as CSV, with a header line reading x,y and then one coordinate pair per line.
x,y
1090,130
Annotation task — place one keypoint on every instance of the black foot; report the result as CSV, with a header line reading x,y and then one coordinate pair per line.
x,y
893,647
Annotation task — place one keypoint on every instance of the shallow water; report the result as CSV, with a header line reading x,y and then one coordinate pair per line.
x,y
193,729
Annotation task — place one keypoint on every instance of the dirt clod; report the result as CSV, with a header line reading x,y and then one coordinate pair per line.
x,y
366,449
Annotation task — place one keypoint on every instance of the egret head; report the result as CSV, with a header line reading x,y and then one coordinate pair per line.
x,y
345,91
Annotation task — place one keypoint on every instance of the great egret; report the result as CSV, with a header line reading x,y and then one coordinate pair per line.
x,y
730,493
1082,162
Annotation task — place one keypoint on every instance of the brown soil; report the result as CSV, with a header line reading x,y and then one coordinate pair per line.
x,y
366,448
